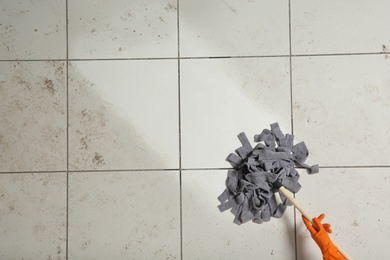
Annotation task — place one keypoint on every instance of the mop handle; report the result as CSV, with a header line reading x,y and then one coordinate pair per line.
x,y
308,217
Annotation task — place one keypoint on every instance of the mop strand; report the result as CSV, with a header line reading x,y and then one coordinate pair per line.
x,y
259,172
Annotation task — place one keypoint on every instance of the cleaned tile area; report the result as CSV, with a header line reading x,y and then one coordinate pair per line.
x,y
222,97
233,28
205,228
116,118
354,201
118,115
340,105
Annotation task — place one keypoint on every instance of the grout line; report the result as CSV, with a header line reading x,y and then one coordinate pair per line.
x,y
206,169
124,170
292,118
340,54
179,119
290,66
191,169
125,59
67,130
210,57
178,82
234,57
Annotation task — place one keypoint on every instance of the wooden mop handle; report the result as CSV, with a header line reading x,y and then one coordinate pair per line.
x,y
310,218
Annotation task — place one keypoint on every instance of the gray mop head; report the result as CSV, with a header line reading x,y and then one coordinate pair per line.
x,y
250,193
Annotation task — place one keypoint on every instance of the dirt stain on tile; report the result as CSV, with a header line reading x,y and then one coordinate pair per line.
x,y
385,50
49,86
86,244
355,223
170,7
126,16
22,82
59,68
98,159
11,208
84,197
84,141
86,114
18,105
231,8
39,228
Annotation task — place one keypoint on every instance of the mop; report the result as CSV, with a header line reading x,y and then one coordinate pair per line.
x,y
259,173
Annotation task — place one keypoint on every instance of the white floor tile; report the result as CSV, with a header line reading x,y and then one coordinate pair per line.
x,y
233,27
210,234
354,202
124,215
125,105
221,98
122,29
32,116
33,216
340,108
123,115
339,26
25,36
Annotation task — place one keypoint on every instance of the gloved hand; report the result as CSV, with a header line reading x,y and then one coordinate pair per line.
x,y
319,233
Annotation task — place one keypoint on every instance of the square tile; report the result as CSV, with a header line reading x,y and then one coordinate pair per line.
x,y
210,234
340,108
25,36
33,116
122,29
124,215
222,97
121,117
353,201
233,28
33,216
339,26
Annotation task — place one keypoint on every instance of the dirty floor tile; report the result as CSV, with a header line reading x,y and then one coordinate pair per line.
x,y
32,116
25,36
233,28
121,117
33,216
354,202
124,215
210,234
340,108
221,98
339,26
122,29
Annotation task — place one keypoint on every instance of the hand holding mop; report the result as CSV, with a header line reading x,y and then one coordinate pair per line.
x,y
320,236
258,173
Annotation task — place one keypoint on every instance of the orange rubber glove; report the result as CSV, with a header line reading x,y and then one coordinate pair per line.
x,y
319,233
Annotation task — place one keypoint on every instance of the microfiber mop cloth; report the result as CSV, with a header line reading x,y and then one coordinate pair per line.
x,y
250,194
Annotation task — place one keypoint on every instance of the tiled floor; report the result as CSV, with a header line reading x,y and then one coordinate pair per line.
x,y
116,118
